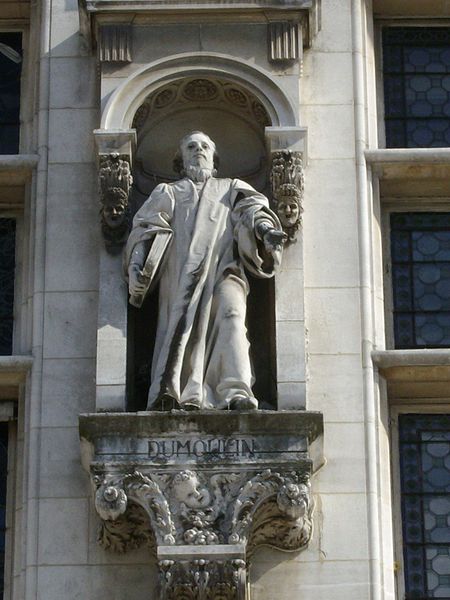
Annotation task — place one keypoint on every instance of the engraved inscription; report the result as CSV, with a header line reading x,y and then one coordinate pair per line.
x,y
196,447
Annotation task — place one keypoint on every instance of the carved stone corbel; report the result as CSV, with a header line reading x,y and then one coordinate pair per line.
x,y
285,41
115,180
204,526
114,42
203,500
287,181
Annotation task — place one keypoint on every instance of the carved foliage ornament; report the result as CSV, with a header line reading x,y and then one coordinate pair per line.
x,y
202,579
115,182
199,509
287,181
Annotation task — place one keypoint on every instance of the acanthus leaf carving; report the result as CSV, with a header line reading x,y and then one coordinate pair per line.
x,y
145,492
197,509
203,579
285,496
127,532
202,515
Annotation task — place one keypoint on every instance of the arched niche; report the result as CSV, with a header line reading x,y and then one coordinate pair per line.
x,y
236,120
124,102
117,140
226,111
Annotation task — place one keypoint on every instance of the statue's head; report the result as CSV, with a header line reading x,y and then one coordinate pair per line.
x,y
197,151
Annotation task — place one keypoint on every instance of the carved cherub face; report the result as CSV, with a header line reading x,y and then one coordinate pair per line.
x,y
288,210
197,150
187,490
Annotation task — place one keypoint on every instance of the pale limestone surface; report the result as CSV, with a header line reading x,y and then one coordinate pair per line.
x,y
56,554
210,228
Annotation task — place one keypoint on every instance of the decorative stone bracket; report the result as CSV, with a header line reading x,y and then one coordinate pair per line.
x,y
115,180
287,146
287,180
203,491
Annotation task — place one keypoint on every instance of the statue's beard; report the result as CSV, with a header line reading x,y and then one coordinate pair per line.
x,y
199,174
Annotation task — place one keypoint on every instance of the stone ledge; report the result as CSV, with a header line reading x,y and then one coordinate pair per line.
x,y
16,169
93,425
269,437
409,163
415,373
14,369
400,358
13,372
209,5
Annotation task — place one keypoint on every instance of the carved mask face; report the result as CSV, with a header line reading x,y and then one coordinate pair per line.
x,y
288,211
198,151
114,215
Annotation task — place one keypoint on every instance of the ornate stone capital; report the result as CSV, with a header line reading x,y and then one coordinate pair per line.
x,y
202,500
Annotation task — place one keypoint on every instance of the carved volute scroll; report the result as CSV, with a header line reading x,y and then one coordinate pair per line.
x,y
205,499
287,181
198,511
115,182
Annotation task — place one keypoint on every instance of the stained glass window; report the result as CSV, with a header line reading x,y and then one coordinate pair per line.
x,y
425,492
416,66
10,68
420,254
7,264
3,481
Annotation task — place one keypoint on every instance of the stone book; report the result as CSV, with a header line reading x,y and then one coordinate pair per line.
x,y
153,265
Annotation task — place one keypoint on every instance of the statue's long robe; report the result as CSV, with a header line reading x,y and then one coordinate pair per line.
x,y
201,353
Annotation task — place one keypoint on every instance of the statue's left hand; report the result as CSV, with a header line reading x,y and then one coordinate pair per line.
x,y
274,239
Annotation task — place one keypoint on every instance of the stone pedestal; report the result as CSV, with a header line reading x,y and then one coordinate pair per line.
x,y
203,490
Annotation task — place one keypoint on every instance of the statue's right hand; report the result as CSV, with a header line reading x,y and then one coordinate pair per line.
x,y
136,281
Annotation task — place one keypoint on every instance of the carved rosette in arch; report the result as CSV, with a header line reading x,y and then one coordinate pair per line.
x,y
287,181
184,92
223,109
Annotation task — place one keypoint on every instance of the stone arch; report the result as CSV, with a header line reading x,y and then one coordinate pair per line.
x,y
223,109
128,97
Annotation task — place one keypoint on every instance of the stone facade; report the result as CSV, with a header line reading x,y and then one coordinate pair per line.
x,y
107,87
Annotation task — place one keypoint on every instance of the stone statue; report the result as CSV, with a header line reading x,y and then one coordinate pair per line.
x,y
195,237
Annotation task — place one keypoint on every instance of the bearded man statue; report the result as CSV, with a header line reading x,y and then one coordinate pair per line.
x,y
197,237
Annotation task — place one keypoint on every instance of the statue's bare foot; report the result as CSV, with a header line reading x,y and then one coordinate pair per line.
x,y
242,402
